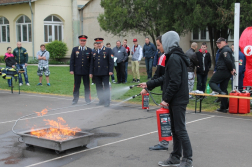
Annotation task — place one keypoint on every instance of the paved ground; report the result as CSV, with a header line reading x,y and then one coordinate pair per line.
x,y
122,135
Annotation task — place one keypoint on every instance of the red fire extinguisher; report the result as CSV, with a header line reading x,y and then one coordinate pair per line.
x,y
145,101
164,124
234,102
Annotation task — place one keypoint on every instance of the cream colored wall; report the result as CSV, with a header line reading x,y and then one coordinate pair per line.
x,y
185,41
41,9
63,10
12,13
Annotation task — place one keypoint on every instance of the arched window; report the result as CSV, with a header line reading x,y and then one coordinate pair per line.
x,y
4,30
24,32
53,29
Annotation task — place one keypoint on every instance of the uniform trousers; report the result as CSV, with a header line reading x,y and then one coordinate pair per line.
x,y
77,82
102,88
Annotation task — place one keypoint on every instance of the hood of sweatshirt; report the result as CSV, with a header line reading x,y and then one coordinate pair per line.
x,y
8,55
201,51
170,40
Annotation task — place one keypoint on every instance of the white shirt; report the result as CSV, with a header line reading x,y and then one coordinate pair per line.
x,y
204,54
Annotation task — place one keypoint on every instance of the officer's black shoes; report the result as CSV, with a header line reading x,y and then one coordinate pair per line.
x,y
222,110
138,80
106,105
133,80
185,163
171,161
74,102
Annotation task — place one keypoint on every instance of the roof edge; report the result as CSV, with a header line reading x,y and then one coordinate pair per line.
x,y
13,3
85,5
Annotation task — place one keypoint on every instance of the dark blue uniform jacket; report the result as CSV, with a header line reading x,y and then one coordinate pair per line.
x,y
80,60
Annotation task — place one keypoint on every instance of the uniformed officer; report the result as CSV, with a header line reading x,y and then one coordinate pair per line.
x,y
80,68
102,64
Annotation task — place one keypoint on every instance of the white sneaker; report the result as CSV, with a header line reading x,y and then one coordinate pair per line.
x,y
20,84
92,84
28,84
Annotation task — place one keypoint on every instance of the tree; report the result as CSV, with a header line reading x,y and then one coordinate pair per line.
x,y
215,15
150,17
154,17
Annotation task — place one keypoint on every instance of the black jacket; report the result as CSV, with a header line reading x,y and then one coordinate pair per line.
x,y
175,79
10,61
193,60
207,61
225,60
80,60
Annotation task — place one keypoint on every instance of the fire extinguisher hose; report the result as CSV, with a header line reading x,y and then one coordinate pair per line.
x,y
150,93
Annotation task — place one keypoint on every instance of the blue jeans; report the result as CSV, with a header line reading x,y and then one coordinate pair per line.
x,y
201,82
22,66
149,64
126,71
112,77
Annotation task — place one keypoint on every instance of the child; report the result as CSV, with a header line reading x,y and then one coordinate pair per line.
x,y
43,58
10,62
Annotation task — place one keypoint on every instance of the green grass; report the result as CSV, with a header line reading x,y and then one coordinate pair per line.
x,y
62,84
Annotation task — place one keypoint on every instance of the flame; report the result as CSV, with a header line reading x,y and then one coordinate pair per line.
x,y
43,112
58,130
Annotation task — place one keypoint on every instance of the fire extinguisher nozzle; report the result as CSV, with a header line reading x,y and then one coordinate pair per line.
x,y
136,96
132,86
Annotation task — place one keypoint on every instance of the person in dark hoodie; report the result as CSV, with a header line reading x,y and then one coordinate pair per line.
x,y
204,59
176,95
10,62
193,63
225,68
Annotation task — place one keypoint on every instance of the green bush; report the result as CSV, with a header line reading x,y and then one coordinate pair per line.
x,y
2,59
57,49
68,62
33,61
55,62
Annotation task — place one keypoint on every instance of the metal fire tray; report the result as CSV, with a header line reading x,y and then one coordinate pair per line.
x,y
80,139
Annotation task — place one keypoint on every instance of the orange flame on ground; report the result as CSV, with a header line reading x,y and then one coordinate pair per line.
x,y
58,130
43,112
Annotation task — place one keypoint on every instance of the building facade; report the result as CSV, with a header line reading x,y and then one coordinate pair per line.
x,y
63,20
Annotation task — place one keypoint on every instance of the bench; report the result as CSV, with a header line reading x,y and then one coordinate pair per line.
x,y
223,96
